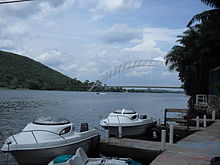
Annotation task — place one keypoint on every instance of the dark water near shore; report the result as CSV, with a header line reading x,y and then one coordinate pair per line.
x,y
19,107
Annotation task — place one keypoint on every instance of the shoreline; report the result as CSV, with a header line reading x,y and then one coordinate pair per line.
x,y
134,91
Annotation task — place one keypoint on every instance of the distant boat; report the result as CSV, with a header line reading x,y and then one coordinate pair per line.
x,y
45,138
98,93
131,122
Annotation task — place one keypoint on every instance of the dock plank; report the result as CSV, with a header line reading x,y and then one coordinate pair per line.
x,y
177,110
133,148
178,120
196,149
135,143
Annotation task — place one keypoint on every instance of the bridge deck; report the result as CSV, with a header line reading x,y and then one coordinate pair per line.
x,y
142,86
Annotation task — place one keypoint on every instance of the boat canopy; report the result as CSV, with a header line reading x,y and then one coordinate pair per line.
x,y
48,120
124,111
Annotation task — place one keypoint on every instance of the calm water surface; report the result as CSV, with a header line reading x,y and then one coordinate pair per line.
x,y
19,107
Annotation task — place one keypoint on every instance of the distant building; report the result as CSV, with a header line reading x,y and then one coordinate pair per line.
x,y
214,78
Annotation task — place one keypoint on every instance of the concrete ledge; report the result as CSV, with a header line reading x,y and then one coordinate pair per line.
x,y
196,149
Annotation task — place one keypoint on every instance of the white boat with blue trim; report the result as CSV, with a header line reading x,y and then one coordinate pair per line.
x,y
45,138
131,123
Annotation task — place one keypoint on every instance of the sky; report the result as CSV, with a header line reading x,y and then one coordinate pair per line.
x,y
84,38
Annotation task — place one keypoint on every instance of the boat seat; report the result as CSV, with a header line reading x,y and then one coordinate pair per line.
x,y
76,160
88,161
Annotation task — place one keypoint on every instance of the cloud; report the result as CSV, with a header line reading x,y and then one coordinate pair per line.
x,y
51,58
101,8
161,34
140,71
96,17
167,73
152,41
5,44
121,33
19,21
146,46
82,72
160,58
20,10
118,5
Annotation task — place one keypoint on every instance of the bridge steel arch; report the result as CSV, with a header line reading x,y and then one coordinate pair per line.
x,y
125,66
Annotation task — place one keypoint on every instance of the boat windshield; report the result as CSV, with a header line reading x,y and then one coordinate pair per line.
x,y
124,111
48,120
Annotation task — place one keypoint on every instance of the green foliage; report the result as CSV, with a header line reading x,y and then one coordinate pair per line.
x,y
197,54
21,72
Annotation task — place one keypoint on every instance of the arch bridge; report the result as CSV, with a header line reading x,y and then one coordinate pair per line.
x,y
126,66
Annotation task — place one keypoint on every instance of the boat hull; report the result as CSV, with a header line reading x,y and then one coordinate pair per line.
x,y
129,131
44,156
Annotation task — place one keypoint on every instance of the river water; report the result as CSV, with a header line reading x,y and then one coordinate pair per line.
x,y
19,107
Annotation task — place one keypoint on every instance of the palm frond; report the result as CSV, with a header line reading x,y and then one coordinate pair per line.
x,y
205,16
212,3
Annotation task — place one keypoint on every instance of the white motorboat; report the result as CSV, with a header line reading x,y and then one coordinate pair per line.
x,y
45,138
131,123
80,158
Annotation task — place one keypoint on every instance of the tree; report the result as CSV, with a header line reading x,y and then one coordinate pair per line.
x,y
197,54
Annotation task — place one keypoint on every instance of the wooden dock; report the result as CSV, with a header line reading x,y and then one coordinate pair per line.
x,y
133,148
196,149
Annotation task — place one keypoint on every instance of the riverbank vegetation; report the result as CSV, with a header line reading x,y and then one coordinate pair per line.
x,y
198,52
17,72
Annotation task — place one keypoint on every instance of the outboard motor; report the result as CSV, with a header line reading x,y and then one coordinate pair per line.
x,y
84,127
143,117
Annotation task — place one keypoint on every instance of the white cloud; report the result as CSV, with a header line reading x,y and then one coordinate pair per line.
x,y
5,43
18,22
121,33
153,39
96,17
160,58
118,5
91,63
146,46
161,34
138,73
69,67
167,73
20,28
101,8
51,58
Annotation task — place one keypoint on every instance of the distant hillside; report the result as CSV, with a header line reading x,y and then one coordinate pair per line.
x,y
17,71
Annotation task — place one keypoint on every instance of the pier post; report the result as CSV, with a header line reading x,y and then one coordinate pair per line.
x,y
120,132
171,134
159,123
197,122
106,136
204,122
163,139
213,115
